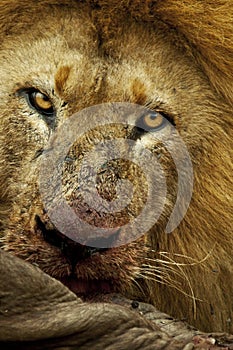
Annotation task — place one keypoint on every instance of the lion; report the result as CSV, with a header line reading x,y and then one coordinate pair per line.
x,y
173,60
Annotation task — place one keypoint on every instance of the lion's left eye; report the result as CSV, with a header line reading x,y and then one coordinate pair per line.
x,y
152,121
40,102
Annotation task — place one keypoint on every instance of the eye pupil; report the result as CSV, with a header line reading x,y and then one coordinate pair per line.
x,y
153,116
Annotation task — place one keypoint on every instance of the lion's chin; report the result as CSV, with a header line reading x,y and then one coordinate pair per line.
x,y
87,288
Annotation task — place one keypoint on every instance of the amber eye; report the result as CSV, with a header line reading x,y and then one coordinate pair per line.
x,y
40,102
152,121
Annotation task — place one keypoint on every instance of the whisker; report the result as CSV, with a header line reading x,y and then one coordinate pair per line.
x,y
179,266
137,284
166,278
155,280
165,268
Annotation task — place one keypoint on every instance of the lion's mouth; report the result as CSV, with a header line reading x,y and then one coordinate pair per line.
x,y
77,255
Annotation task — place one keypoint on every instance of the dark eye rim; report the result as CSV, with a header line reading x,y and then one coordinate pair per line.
x,y
30,100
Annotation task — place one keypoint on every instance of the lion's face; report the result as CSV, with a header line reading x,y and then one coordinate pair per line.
x,y
61,67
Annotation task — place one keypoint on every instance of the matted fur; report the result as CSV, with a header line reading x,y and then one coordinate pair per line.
x,y
197,256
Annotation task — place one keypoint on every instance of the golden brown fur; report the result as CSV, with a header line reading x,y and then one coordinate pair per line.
x,y
173,55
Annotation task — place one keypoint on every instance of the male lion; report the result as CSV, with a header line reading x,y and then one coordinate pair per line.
x,y
173,57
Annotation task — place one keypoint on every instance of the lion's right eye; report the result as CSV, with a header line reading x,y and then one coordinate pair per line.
x,y
40,102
